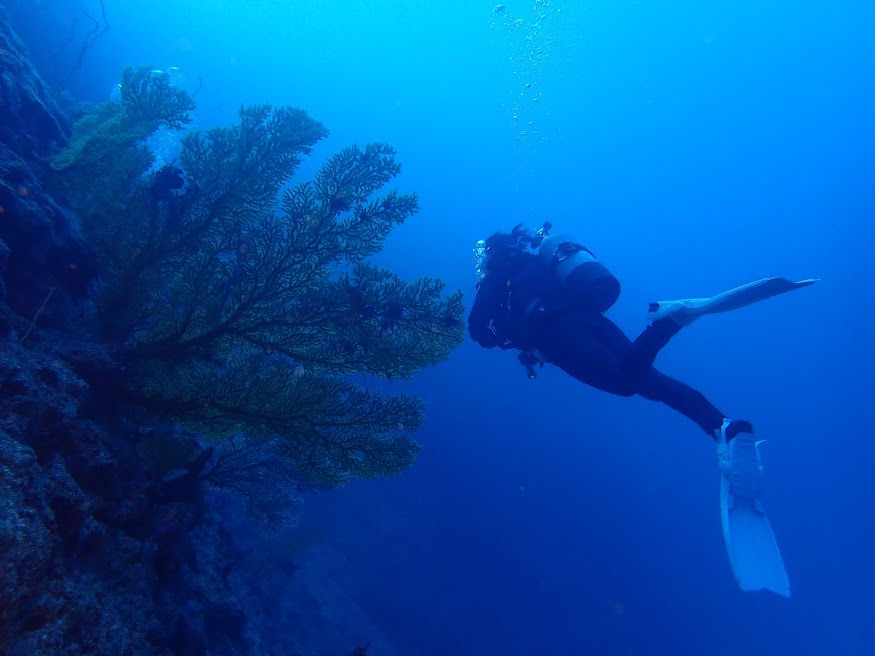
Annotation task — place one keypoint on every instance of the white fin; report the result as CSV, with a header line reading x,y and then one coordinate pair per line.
x,y
753,551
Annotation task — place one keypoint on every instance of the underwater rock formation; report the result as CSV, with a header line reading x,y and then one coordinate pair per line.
x,y
40,249
217,317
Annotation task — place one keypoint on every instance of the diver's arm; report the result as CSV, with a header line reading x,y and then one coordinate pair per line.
x,y
482,320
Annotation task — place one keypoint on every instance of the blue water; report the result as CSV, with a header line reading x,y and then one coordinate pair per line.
x,y
692,149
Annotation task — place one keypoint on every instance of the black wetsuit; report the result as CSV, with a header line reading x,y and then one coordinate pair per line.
x,y
519,306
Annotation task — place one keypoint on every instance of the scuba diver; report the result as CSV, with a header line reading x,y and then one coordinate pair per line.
x,y
545,296
167,182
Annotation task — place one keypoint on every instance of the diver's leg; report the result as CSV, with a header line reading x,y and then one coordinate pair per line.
x,y
679,396
638,356
647,346
590,348
594,350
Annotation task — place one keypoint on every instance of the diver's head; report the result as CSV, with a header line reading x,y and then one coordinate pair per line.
x,y
496,251
501,248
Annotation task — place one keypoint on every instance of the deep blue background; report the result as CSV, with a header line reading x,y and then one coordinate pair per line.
x,y
693,149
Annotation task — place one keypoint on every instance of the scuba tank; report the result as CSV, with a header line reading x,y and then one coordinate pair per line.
x,y
586,280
